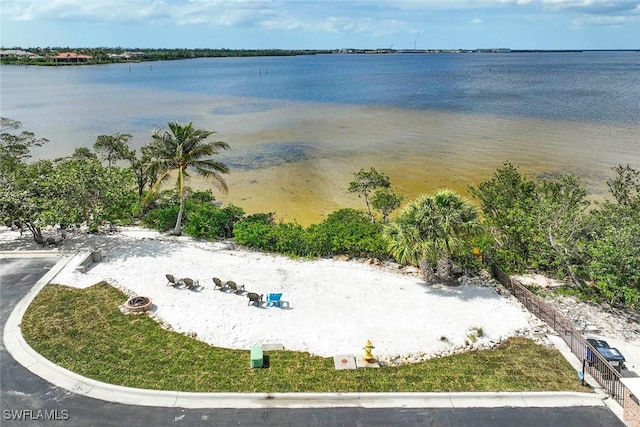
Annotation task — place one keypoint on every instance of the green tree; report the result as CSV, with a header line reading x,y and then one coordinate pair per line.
x,y
141,168
541,225
15,147
18,195
182,147
84,153
367,181
112,147
73,189
87,191
431,230
385,201
507,201
614,264
625,186
562,224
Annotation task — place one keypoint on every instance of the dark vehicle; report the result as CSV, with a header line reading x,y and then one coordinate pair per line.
x,y
610,354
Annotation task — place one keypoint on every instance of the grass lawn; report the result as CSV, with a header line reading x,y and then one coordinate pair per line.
x,y
84,331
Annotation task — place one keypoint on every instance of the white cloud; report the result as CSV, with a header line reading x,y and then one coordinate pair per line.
x,y
597,7
224,12
216,12
237,12
604,20
516,2
375,17
597,12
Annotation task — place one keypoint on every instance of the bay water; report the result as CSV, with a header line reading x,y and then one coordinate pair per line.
x,y
299,127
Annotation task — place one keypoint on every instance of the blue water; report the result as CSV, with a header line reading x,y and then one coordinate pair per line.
x,y
300,126
73,105
588,86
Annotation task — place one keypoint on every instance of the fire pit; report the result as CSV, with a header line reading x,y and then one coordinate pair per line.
x,y
138,304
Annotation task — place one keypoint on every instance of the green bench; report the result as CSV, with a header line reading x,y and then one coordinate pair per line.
x,y
257,358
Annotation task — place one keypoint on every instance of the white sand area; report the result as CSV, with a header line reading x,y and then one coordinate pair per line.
x,y
334,307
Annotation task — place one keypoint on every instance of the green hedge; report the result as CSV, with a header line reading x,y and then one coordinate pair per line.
x,y
346,231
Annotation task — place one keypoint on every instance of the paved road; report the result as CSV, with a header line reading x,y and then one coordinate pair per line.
x,y
22,394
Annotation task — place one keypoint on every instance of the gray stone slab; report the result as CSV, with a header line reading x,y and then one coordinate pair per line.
x,y
344,361
272,346
362,364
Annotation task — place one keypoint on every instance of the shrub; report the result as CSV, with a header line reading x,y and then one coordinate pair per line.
x,y
161,219
291,239
202,197
204,220
346,231
614,264
351,232
256,231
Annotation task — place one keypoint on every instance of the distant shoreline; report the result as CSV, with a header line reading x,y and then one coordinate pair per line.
x,y
101,56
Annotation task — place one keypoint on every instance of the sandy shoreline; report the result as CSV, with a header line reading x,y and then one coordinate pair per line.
x,y
334,307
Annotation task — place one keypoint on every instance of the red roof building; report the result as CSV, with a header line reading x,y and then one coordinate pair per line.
x,y
72,57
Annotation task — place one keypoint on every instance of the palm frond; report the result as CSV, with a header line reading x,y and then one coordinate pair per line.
x,y
183,148
432,227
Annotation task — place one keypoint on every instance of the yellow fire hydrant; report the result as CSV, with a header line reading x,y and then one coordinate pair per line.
x,y
368,356
477,253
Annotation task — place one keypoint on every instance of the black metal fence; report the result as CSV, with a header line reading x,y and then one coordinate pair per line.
x,y
593,362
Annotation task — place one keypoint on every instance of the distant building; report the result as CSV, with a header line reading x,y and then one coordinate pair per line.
x,y
494,50
15,53
72,57
127,55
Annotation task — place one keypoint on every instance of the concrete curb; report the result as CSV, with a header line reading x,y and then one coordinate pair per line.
x,y
25,355
51,253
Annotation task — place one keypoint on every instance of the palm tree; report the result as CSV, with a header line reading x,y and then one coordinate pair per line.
x,y
182,147
430,230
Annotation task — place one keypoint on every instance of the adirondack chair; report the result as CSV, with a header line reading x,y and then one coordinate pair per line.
x,y
217,283
234,287
172,281
190,283
254,299
274,299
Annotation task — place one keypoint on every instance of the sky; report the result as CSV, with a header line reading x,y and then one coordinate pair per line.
x,y
322,24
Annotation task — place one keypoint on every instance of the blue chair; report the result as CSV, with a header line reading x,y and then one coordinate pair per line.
x,y
273,299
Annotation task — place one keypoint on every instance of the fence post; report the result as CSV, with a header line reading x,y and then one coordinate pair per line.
x,y
571,345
